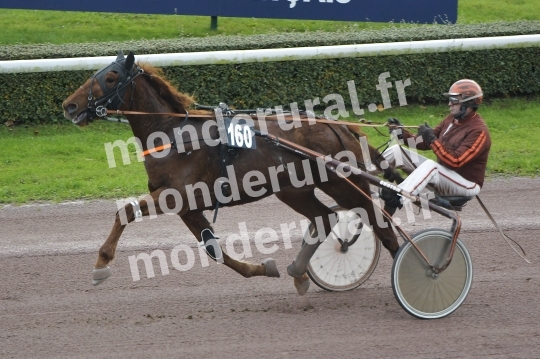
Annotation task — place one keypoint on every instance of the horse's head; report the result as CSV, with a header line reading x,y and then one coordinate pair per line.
x,y
104,90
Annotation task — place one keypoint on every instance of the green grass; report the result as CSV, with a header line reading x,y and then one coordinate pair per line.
x,y
475,11
56,27
65,162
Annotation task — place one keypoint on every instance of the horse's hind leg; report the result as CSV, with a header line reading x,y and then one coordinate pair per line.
x,y
348,197
123,217
197,223
305,203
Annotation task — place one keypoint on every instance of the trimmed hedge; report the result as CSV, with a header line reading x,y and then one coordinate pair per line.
x,y
400,32
37,97
499,72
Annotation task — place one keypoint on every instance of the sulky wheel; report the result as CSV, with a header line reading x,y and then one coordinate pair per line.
x,y
421,292
345,263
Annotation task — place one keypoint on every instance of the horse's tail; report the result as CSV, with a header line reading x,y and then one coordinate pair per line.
x,y
374,154
356,131
376,157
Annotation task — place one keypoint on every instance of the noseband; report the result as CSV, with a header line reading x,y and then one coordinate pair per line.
x,y
112,98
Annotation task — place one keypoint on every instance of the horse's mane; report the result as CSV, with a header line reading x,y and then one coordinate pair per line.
x,y
181,102
178,100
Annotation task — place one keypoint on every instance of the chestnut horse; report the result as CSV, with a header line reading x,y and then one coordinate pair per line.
x,y
131,87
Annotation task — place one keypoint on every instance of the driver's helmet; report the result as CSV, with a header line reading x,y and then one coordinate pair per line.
x,y
470,91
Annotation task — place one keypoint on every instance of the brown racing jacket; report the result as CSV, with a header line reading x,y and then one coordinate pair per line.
x,y
461,146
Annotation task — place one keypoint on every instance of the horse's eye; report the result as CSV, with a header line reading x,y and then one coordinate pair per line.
x,y
110,80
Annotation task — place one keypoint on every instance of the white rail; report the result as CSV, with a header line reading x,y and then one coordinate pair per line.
x,y
287,54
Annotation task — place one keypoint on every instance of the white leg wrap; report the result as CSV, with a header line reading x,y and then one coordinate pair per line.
x,y
211,245
100,274
270,268
298,267
137,211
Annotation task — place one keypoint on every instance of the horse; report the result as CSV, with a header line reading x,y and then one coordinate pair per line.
x,y
150,103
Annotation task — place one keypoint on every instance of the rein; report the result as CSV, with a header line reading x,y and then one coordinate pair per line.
x,y
271,118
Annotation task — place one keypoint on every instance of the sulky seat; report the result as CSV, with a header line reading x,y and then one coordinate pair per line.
x,y
451,202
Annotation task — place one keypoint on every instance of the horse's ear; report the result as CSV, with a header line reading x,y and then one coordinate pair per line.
x,y
130,60
120,55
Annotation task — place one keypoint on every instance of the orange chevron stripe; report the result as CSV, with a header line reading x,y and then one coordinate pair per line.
x,y
477,149
466,156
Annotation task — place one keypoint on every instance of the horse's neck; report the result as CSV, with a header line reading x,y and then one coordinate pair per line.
x,y
144,125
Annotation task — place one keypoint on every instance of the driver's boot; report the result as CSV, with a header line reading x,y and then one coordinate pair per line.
x,y
392,200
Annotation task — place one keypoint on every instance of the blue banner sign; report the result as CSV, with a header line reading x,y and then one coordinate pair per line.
x,y
421,11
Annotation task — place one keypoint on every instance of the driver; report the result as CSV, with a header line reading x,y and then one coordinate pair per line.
x,y
461,143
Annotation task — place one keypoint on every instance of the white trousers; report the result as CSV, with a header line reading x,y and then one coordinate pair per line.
x,y
424,171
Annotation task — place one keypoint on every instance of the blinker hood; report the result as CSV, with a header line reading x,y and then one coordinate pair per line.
x,y
122,66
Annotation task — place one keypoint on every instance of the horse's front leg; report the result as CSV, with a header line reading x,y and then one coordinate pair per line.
x,y
201,228
124,216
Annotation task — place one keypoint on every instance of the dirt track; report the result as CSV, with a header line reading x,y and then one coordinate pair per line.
x,y
49,308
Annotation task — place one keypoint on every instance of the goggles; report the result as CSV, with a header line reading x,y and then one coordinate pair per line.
x,y
454,100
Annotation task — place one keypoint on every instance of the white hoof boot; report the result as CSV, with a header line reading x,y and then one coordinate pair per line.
x,y
100,274
270,267
302,284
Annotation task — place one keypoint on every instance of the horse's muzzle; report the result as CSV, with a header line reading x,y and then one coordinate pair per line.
x,y
81,119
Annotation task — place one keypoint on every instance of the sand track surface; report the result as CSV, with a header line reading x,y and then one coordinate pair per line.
x,y
50,309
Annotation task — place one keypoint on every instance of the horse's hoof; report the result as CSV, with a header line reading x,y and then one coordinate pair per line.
x,y
293,272
302,284
100,274
270,268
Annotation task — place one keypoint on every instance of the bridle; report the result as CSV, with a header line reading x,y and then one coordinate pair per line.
x,y
112,98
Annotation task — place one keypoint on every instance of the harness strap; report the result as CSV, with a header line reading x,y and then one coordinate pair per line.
x,y
172,114
223,160
156,149
224,154
99,105
173,145
504,236
407,156
172,141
